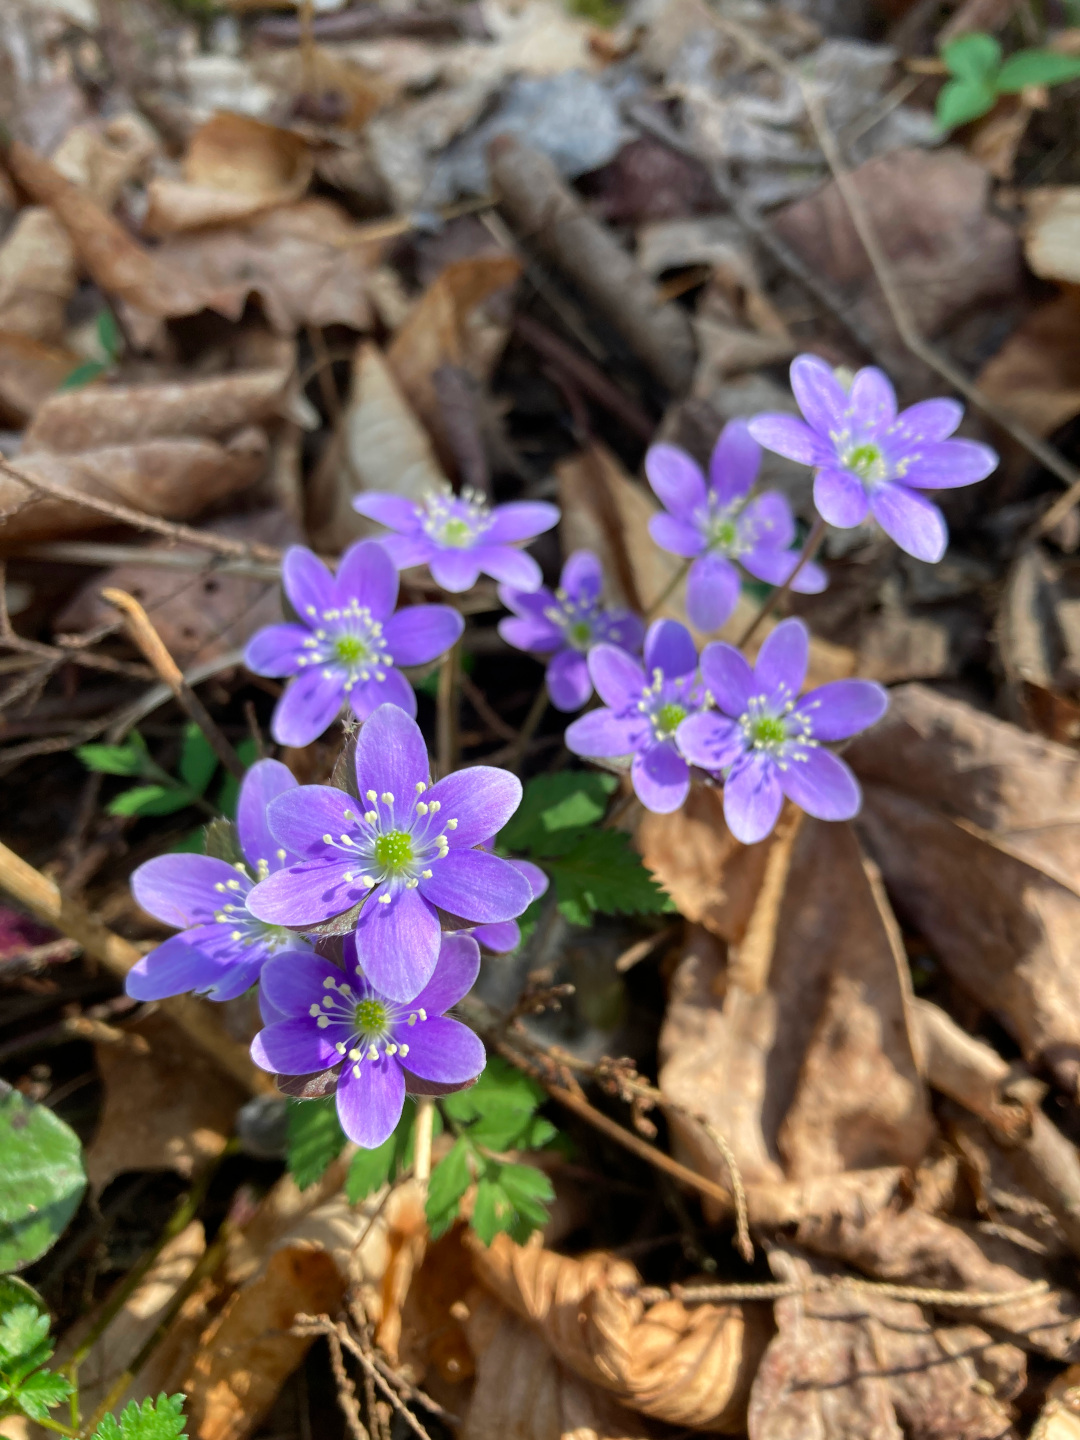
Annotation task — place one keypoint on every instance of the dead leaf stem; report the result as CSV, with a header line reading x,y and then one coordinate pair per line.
x,y
779,1289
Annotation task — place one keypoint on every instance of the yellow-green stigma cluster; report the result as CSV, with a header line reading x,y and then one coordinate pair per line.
x,y
455,521
233,910
348,639
773,728
372,1023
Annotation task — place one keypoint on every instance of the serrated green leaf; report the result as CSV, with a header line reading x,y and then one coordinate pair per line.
x,y
24,1341
82,375
961,101
14,1291
150,800
126,759
449,1180
493,1210
162,1419
538,1133
601,873
500,1087
529,1191
41,1392
975,56
567,800
369,1170
41,1178
315,1139
221,840
1036,67
197,759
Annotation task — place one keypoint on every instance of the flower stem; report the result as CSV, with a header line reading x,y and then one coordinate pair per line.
x,y
668,590
809,550
446,718
532,723
425,1119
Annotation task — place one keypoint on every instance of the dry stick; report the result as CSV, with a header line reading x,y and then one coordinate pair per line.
x,y
153,647
537,711
668,590
809,550
478,701
743,1243
589,376
346,1390
777,1290
323,1325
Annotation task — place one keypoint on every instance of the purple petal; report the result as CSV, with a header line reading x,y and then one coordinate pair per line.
x,y
307,582
455,570
767,521
538,880
626,630
368,576
840,498
843,708
603,734
752,798
669,647
305,894
568,681
408,550
481,799
781,664
300,817
276,650
455,975
311,703
520,520
174,968
531,634
582,576
391,755
735,461
677,537
661,777
821,784
710,740
510,566
420,633
774,567
929,420
477,886
265,781
532,604
676,480
297,1046
392,689
873,399
821,397
293,988
915,523
393,511
728,675
398,944
179,889
369,1104
712,592
785,435
949,464
500,938
444,1050
617,676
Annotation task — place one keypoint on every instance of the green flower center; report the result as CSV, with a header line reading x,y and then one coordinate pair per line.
x,y
580,634
350,649
865,460
457,532
724,534
371,1017
394,850
670,716
768,730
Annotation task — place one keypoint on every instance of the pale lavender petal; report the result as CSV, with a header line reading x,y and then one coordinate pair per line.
x,y
477,886
752,798
840,498
735,461
710,740
530,633
821,397
948,464
409,550
677,537
392,689
393,511
617,676
299,818
781,664
843,708
305,894
676,480
295,1047
307,582
367,575
929,420
500,938
264,782
455,975
537,878
454,570
712,592
174,968
568,681
391,755
727,673
310,705
915,523
293,988
520,520
235,979
821,784
661,777
873,399
532,604
277,649
767,521
785,435
444,1050
369,1104
774,567
179,889
512,567
398,944
481,799
582,576
605,735
626,630
420,633
669,647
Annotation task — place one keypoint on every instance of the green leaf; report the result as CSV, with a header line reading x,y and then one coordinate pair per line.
x,y
975,56
14,1291
41,1178
108,333
315,1139
162,1419
150,800
127,759
197,760
529,1190
961,100
40,1392
600,872
24,1342
447,1184
82,375
567,800
501,1086
1036,67
193,843
370,1169
493,1210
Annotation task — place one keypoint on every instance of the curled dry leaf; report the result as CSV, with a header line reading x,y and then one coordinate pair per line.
x,y
37,276
1052,242
30,371
686,1365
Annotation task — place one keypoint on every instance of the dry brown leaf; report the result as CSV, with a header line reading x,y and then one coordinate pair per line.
x,y
1036,373
167,1108
103,156
686,1365
976,827
1052,242
37,276
866,1368
235,168
30,371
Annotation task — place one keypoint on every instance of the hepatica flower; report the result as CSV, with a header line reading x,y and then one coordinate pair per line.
x,y
645,708
332,1017
403,850
565,625
460,537
869,459
767,741
714,522
347,641
223,945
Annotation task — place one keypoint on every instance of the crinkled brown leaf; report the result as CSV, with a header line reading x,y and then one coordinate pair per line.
x,y
37,276
1036,373
30,371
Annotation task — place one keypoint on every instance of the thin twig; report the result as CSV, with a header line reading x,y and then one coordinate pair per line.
x,y
93,552
323,1325
777,1290
478,701
809,550
743,1243
668,590
518,749
346,1390
446,711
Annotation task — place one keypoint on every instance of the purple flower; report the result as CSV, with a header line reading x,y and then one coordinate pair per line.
x,y
223,946
506,936
768,741
713,522
870,459
460,536
331,1016
404,851
347,642
646,709
566,625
